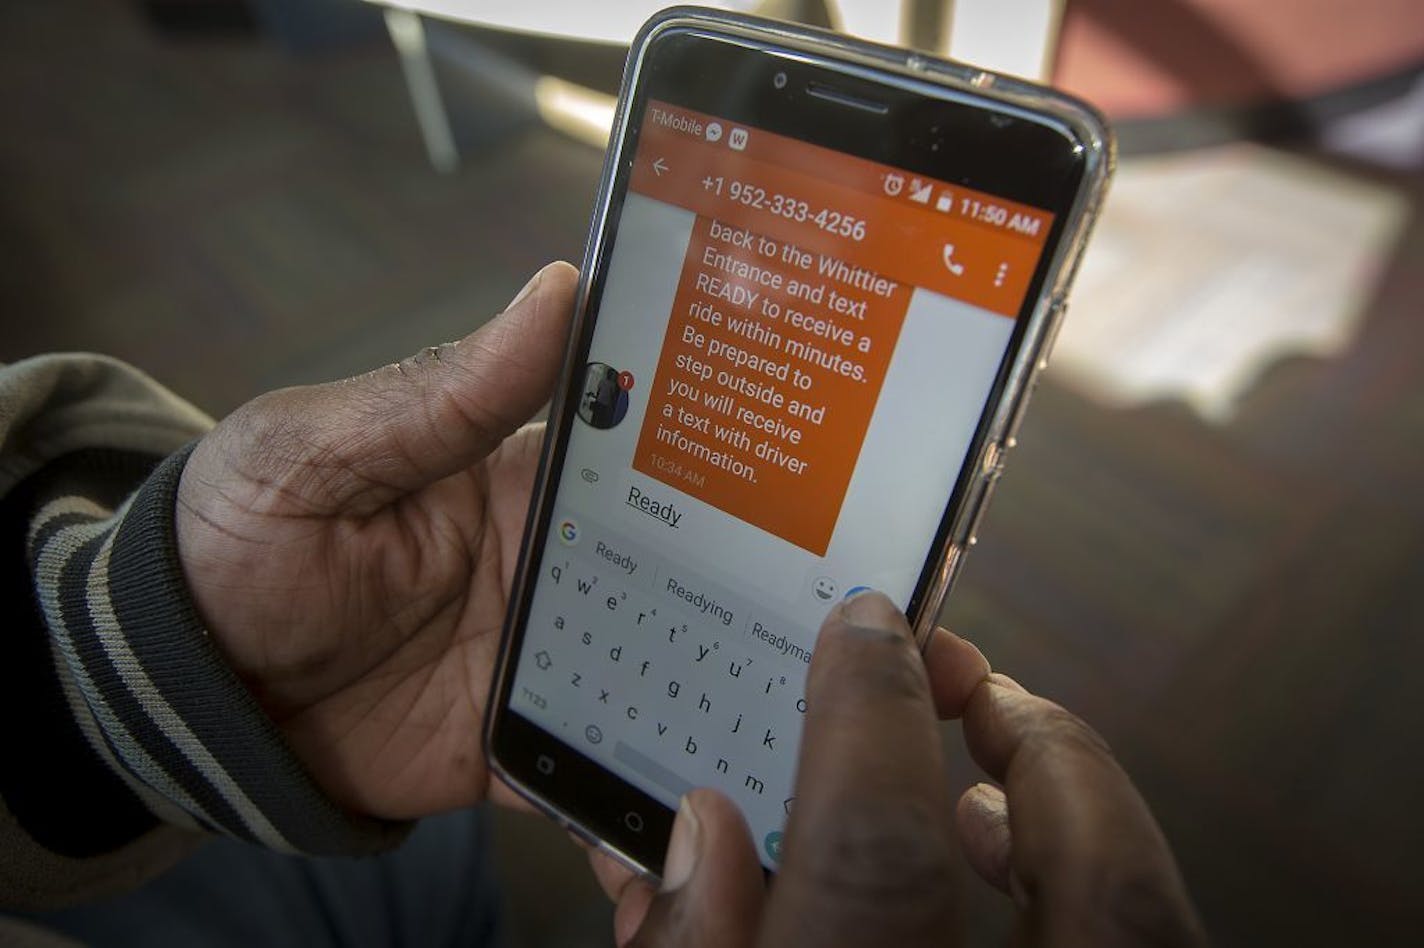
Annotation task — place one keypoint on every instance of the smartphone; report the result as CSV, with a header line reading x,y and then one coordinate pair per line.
x,y
820,280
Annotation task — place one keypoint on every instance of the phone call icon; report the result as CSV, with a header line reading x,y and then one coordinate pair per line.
x,y
952,265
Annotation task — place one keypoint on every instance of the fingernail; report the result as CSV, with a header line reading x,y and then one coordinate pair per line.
x,y
683,849
871,611
1004,681
963,643
988,790
528,288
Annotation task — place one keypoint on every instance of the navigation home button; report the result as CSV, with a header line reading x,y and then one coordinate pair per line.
x,y
633,820
544,764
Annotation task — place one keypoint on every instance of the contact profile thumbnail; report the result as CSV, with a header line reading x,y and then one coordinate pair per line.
x,y
604,402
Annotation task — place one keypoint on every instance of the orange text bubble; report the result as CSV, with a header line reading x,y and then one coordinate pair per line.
x,y
770,369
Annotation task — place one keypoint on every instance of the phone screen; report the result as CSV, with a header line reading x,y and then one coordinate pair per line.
x,y
793,353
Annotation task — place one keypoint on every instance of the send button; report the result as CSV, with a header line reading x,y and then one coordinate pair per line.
x,y
772,843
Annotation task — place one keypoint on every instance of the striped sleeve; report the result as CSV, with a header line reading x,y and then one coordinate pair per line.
x,y
150,694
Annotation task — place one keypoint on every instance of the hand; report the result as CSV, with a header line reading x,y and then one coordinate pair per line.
x,y
351,546
870,844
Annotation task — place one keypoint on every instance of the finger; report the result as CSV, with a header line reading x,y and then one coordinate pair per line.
x,y
502,794
712,890
982,819
357,444
1094,867
630,893
868,844
613,877
955,669
631,910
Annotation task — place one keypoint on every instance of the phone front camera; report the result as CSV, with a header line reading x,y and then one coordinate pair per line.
x,y
779,80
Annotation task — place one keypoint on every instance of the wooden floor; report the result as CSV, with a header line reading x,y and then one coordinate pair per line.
x,y
1240,610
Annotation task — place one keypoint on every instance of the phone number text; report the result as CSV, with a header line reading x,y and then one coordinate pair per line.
x,y
786,206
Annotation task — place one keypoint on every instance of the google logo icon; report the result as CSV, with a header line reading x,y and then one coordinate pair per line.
x,y
568,532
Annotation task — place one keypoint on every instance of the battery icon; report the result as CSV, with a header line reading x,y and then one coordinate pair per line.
x,y
944,202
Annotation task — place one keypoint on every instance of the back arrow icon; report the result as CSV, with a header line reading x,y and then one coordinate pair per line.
x,y
659,167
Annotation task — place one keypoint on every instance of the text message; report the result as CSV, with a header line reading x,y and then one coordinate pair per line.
x,y
769,372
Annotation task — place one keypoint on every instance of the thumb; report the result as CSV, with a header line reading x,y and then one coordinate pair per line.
x,y
712,889
982,819
356,445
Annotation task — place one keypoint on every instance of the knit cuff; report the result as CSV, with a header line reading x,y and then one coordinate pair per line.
x,y
152,694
